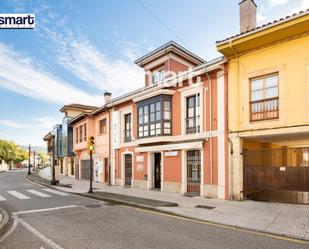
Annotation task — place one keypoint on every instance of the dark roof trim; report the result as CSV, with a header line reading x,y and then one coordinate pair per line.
x,y
247,0
78,106
164,47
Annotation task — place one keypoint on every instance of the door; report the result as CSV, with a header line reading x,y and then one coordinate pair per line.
x,y
106,170
85,169
194,171
128,170
157,170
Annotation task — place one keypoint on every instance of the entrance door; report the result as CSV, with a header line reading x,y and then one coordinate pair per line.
x,y
193,171
85,169
106,170
98,170
157,170
128,170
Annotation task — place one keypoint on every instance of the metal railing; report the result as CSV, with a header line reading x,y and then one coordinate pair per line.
x,y
193,125
264,109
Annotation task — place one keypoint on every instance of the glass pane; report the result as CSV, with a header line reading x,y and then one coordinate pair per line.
x,y
167,125
140,111
162,72
272,81
272,92
140,128
146,118
158,125
152,126
198,100
167,115
145,127
167,131
140,119
158,106
191,102
256,84
152,132
152,107
158,116
145,133
140,134
146,109
152,117
257,95
167,105
158,131
190,112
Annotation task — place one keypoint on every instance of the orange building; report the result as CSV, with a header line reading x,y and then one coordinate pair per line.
x,y
171,135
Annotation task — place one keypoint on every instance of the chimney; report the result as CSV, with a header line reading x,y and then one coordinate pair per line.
x,y
107,97
247,15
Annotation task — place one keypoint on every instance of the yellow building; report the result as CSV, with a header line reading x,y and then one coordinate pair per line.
x,y
268,101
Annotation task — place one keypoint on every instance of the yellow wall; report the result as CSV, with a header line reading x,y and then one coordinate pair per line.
x,y
291,60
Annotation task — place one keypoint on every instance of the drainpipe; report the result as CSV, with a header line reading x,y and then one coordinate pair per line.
x,y
230,142
109,148
231,169
210,127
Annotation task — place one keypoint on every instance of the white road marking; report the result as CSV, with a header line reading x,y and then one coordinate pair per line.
x,y
55,192
11,230
46,240
18,195
2,198
35,192
44,210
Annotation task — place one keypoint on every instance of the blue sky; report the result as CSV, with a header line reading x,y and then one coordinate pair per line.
x,y
81,48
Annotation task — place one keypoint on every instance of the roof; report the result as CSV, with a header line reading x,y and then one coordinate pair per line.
x,y
48,136
79,117
170,46
78,106
265,26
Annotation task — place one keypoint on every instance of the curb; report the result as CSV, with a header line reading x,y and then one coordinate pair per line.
x,y
185,217
5,222
42,183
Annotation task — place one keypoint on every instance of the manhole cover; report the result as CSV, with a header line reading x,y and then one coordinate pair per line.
x,y
93,206
205,207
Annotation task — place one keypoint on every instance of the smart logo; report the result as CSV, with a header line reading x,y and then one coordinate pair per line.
x,y
17,21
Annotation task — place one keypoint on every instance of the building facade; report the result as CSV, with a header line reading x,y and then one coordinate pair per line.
x,y
269,108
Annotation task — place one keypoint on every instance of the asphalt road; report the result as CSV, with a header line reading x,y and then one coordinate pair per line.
x,y
49,220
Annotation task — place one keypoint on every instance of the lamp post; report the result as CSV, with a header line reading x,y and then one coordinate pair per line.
x,y
91,149
53,180
33,160
10,161
29,148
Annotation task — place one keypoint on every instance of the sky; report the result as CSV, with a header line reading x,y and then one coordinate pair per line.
x,y
81,48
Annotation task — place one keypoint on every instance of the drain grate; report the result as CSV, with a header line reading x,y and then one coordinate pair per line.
x,y
205,207
93,206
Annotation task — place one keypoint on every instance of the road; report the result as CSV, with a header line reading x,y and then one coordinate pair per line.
x,y
45,219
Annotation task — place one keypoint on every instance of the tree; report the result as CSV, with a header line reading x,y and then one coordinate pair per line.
x,y
42,156
21,155
9,152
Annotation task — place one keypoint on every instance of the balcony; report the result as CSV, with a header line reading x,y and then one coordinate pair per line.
x,y
265,109
193,125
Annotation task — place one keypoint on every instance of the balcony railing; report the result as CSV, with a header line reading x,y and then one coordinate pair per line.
x,y
193,125
264,109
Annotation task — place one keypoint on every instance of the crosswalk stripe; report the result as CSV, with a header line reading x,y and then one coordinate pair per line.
x,y
35,192
18,195
2,198
55,192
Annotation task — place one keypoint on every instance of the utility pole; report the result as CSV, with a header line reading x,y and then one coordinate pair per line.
x,y
29,155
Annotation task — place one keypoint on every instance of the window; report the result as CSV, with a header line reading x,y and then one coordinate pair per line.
x,y
80,134
155,117
102,125
193,114
85,132
264,98
76,134
127,127
158,76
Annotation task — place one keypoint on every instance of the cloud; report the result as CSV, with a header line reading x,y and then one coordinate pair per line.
x,y
303,5
21,75
275,3
9,124
78,55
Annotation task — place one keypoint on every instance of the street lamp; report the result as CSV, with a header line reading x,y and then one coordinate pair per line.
x,y
33,160
10,161
53,180
29,148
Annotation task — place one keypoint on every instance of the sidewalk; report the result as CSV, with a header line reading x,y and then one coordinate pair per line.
x,y
282,219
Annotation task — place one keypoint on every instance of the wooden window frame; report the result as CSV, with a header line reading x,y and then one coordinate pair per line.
x,y
264,101
103,126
